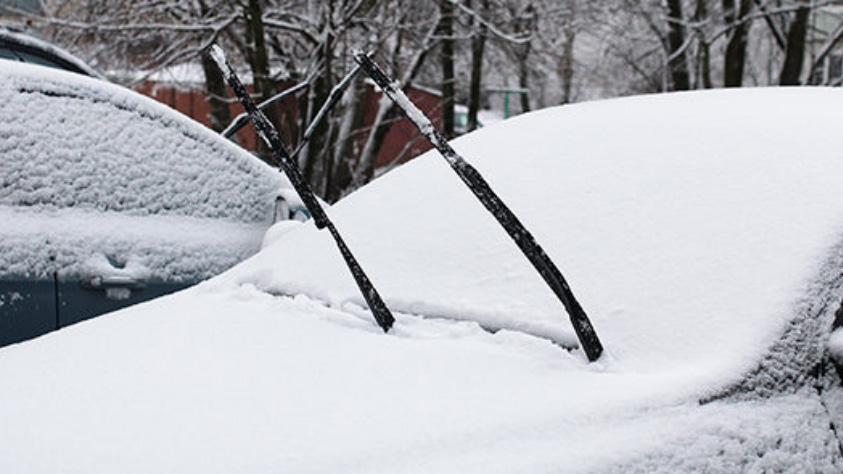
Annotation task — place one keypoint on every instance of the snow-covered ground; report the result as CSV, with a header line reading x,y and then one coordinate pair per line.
x,y
702,233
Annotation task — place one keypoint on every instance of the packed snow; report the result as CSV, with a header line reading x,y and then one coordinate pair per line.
x,y
702,233
90,168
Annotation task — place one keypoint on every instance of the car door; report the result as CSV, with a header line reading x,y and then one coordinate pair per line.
x,y
117,197
84,297
27,308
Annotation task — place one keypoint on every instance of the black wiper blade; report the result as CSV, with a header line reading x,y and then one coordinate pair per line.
x,y
506,218
283,160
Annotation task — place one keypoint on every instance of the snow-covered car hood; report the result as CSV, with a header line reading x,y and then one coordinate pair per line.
x,y
692,227
701,232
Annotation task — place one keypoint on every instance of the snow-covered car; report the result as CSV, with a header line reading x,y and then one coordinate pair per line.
x,y
108,198
22,47
702,232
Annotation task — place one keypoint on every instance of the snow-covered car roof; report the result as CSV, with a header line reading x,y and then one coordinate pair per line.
x,y
84,154
701,232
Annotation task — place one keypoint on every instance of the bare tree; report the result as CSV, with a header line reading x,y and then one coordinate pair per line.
x,y
446,33
559,51
737,17
478,45
794,56
676,46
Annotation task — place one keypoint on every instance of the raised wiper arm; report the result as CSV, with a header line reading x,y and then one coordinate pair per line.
x,y
506,218
287,164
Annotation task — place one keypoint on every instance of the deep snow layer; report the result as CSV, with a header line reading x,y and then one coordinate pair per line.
x,y
702,233
692,227
235,380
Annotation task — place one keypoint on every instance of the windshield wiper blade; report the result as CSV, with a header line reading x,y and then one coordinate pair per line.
x,y
506,218
283,160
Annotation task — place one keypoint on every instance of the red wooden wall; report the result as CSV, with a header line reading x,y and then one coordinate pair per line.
x,y
402,143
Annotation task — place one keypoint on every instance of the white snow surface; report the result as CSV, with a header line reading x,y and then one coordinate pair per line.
x,y
700,231
71,141
92,168
691,227
79,243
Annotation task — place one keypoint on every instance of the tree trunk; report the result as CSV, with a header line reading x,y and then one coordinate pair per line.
x,y
259,63
216,88
220,115
526,23
733,62
317,158
677,64
794,55
704,49
566,64
524,81
346,151
478,45
446,32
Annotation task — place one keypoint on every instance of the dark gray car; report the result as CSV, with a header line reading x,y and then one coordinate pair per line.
x,y
19,46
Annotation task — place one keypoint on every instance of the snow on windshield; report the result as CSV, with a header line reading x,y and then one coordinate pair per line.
x,y
692,227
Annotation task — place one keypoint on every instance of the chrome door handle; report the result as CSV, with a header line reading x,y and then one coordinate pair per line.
x,y
115,281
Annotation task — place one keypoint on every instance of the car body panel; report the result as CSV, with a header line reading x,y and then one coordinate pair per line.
x,y
27,309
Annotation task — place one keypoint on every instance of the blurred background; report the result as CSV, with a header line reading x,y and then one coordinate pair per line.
x,y
466,63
